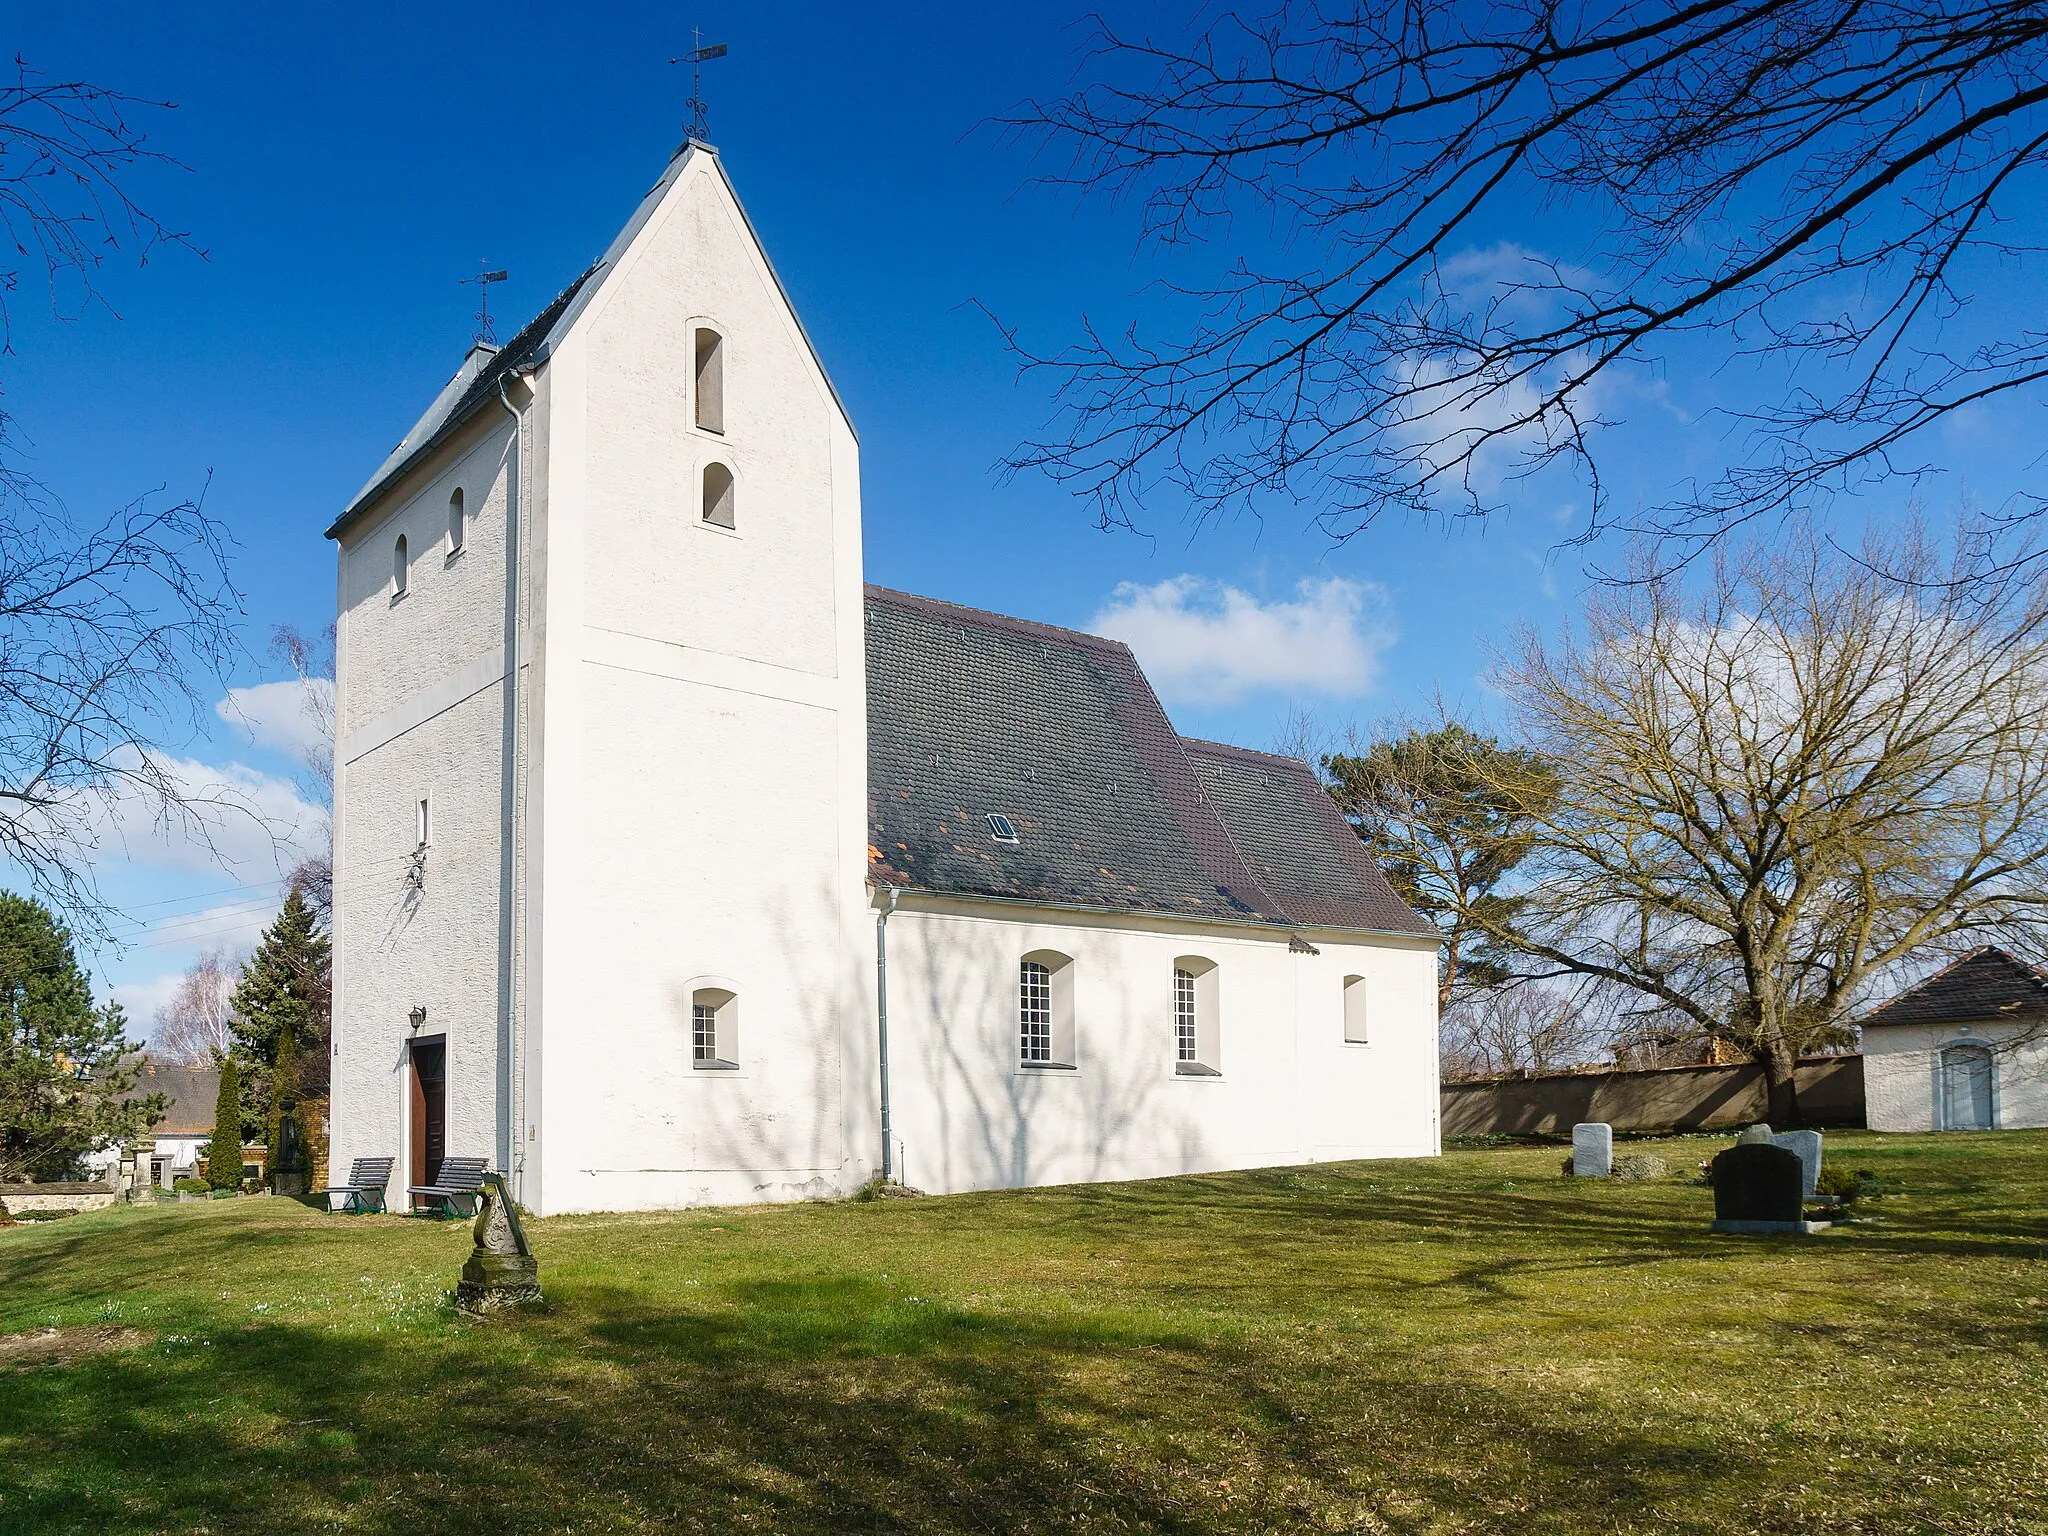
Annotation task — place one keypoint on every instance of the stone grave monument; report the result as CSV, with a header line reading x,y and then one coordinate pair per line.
x,y
1753,1134
1758,1188
1592,1150
501,1271
1806,1146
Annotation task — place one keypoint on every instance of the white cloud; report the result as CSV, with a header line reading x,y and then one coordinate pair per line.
x,y
142,999
1203,642
290,717
239,821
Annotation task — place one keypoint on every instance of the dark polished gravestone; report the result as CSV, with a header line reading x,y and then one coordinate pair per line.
x,y
1759,1188
501,1271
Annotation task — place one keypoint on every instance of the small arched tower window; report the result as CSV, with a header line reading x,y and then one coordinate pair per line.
x,y
1045,1010
710,380
1197,1046
398,567
714,1028
718,495
458,524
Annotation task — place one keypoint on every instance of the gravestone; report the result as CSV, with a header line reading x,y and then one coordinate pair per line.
x,y
1757,1189
289,1175
1806,1146
1592,1150
1754,1135
501,1271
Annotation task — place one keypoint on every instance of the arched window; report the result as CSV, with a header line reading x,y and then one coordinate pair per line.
x,y
457,523
714,1028
1045,1010
398,567
710,380
1354,1010
718,495
1197,1046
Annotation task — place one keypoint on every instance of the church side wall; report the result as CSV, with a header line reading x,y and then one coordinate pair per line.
x,y
704,759
969,1116
1902,1074
420,705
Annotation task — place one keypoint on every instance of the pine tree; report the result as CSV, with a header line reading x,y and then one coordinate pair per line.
x,y
279,1006
67,1067
224,1151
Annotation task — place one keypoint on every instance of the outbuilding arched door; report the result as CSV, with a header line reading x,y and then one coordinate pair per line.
x,y
1966,1087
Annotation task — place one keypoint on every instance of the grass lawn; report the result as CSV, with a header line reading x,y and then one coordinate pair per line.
x,y
1468,1344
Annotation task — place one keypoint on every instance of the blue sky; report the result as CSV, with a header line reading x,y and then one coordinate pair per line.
x,y
343,177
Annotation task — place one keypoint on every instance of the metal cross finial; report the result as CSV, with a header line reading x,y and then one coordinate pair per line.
x,y
695,59
484,336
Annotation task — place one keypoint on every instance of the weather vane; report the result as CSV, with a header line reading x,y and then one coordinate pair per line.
x,y
695,59
485,336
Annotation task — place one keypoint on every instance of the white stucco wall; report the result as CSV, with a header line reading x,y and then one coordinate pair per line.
x,y
1291,1089
700,797
1902,1079
420,714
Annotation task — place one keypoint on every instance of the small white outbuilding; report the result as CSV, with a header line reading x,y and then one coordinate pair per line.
x,y
1965,1050
654,823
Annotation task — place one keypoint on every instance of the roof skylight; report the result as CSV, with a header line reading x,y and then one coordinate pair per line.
x,y
1000,828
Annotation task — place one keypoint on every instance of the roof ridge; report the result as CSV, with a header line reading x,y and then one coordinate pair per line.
x,y
2029,972
1201,744
939,607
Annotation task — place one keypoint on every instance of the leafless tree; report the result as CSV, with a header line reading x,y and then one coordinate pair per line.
x,y
1815,187
108,626
1777,791
311,658
194,1026
1534,1028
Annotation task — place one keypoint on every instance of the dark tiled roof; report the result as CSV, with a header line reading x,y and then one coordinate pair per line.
x,y
1985,984
430,433
1299,846
971,713
194,1093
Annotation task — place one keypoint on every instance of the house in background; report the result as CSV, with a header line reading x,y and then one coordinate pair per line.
x,y
641,792
1965,1050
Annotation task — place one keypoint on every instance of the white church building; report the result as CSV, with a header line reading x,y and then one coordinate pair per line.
x,y
672,862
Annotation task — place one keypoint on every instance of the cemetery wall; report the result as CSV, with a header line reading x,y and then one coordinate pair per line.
x,y
1664,1098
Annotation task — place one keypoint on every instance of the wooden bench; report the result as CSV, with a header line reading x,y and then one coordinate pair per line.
x,y
364,1191
454,1190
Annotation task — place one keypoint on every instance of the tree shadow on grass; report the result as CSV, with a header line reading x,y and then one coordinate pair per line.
x,y
836,1405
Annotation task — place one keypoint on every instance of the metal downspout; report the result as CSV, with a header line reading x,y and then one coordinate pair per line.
x,y
882,1027
511,1147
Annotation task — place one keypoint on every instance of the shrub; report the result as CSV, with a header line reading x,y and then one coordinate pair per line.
x,y
1640,1165
224,1150
1840,1182
190,1186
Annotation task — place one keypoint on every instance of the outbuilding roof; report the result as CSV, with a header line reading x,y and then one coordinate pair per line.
x,y
973,715
193,1092
1985,984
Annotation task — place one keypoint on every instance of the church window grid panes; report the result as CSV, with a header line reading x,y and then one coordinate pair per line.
x,y
1034,1012
704,1032
1184,1035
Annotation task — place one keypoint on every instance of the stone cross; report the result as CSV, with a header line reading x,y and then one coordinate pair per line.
x,y
1592,1150
501,1271
1806,1146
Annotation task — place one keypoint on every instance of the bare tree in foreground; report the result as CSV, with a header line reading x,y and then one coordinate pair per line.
x,y
1815,187
196,1025
1811,774
107,627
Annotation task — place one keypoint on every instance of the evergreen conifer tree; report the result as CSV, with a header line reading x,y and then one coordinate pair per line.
x,y
67,1069
279,1006
224,1151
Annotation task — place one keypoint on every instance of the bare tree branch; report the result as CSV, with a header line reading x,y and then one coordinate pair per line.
x,y
1816,186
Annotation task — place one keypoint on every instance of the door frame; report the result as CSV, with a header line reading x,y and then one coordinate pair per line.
x,y
1946,1098
415,1109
